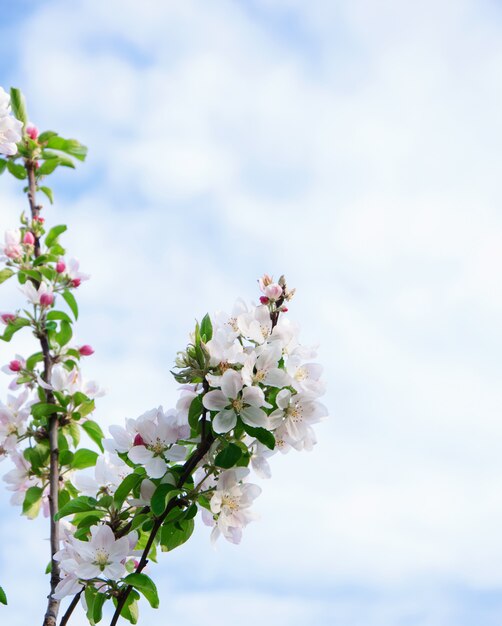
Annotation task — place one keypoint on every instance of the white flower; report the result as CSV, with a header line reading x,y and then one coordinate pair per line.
x,y
62,379
12,249
44,295
11,129
296,413
156,442
306,378
230,504
101,556
109,472
72,271
232,401
261,367
19,479
13,415
256,325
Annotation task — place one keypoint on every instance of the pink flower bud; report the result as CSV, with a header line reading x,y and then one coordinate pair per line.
x,y
60,267
8,318
37,164
46,299
284,309
29,239
32,132
15,365
86,350
138,440
273,291
76,282
264,300
39,219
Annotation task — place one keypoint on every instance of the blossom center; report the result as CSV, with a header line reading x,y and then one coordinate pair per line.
x,y
237,404
229,502
158,446
101,558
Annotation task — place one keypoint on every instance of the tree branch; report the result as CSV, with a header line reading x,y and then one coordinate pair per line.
x,y
188,468
53,604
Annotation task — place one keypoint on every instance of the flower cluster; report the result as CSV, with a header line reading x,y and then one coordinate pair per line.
x,y
248,389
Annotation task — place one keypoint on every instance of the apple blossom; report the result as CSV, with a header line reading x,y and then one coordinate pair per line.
x,y
12,248
234,401
10,128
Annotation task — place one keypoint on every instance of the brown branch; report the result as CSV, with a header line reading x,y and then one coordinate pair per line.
x,y
188,468
53,604
71,608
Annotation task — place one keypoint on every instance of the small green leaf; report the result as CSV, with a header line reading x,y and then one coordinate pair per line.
x,y
59,315
54,233
228,457
195,411
47,167
42,409
49,193
77,505
163,492
130,609
32,502
3,165
43,137
206,328
18,104
34,359
70,146
84,458
145,585
13,327
16,170
3,597
95,433
125,488
71,302
65,333
263,435
175,534
5,274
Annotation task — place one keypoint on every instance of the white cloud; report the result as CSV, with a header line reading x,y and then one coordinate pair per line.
x,y
354,146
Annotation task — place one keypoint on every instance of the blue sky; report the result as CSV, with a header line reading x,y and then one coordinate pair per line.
x,y
355,147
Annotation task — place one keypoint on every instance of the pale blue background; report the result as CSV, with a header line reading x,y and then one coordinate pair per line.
x,y
355,146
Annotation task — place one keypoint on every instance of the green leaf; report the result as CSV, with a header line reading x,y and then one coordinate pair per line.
x,y
145,585
206,328
84,458
16,170
18,104
42,409
65,334
228,457
59,315
32,502
43,137
66,457
47,167
48,192
95,433
86,408
195,411
77,505
163,492
3,597
70,146
71,302
5,274
125,488
94,600
34,359
175,534
3,165
54,233
263,435
13,327
130,609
